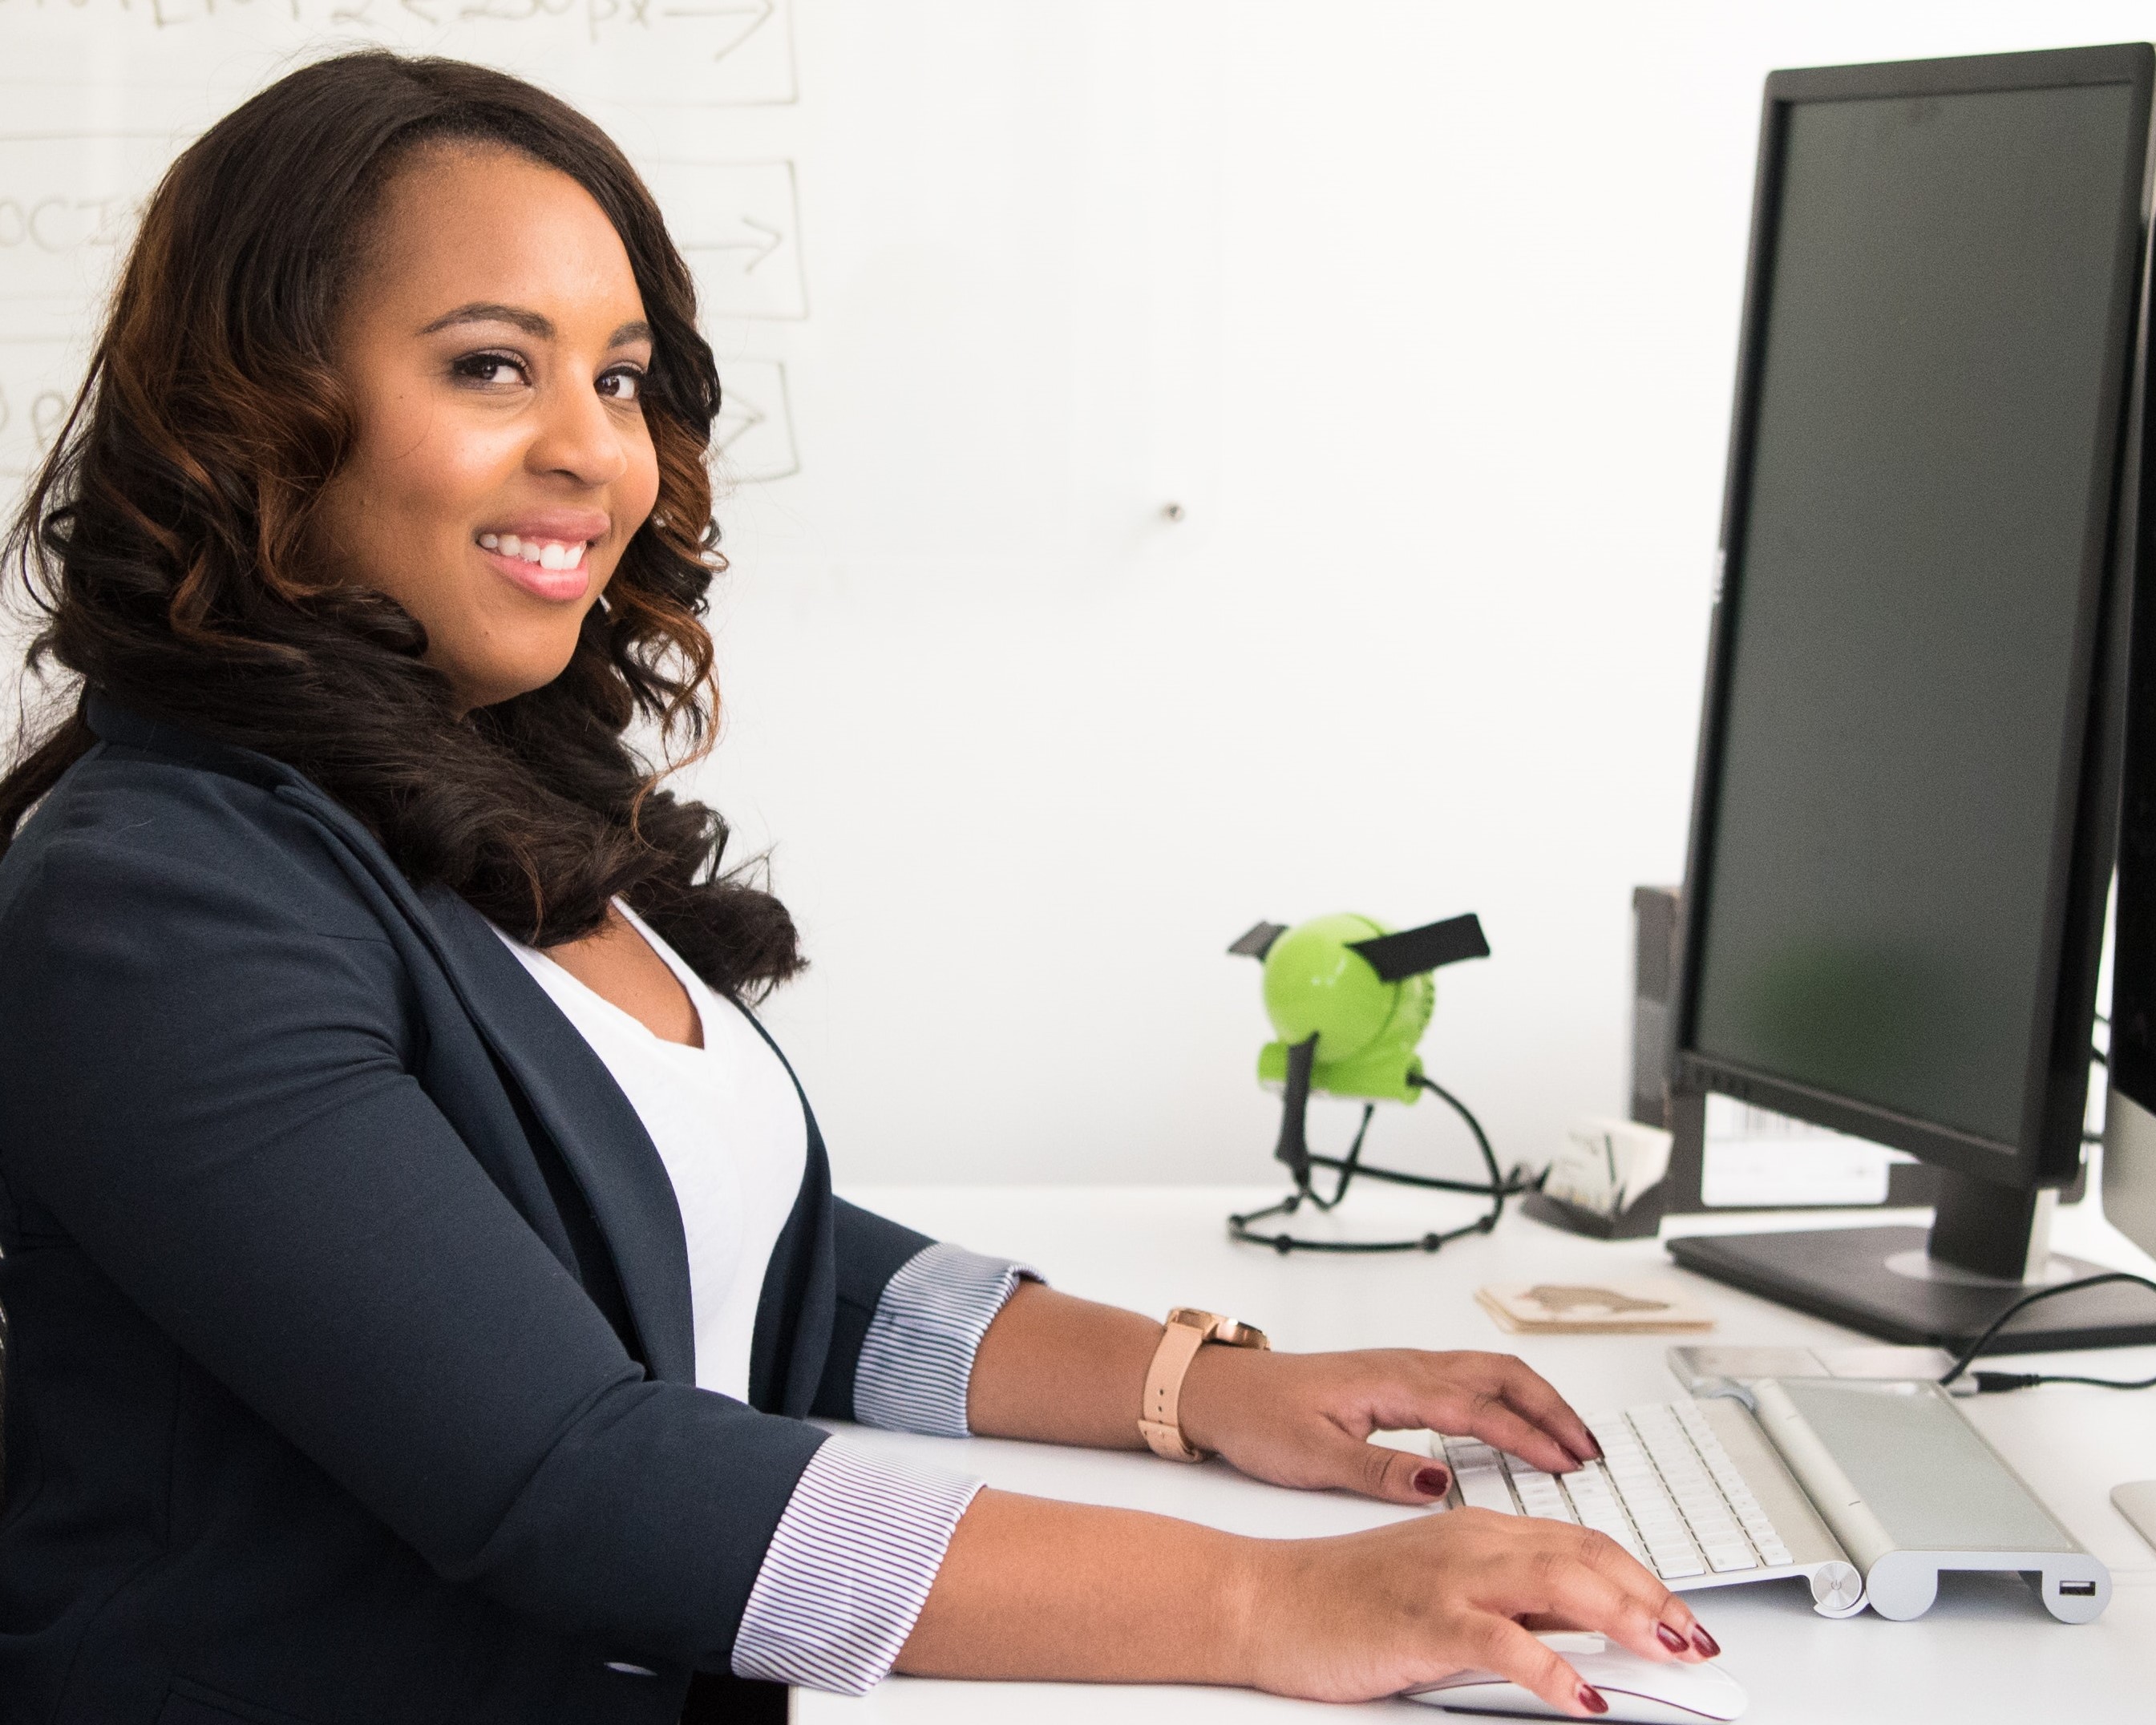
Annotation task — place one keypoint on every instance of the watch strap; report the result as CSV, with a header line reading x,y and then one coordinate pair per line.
x,y
1188,1330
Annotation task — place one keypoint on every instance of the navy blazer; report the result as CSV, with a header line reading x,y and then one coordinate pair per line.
x,y
351,1374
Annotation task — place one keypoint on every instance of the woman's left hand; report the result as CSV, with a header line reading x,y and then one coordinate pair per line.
x,y
1305,1419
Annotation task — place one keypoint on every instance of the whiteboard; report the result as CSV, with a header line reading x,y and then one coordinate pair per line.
x,y
707,95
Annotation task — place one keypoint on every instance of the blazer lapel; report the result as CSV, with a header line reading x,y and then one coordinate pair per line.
x,y
798,1301
592,1123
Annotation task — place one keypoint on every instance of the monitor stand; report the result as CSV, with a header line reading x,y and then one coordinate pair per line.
x,y
1906,1286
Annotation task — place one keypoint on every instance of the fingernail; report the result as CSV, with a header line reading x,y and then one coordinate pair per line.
x,y
1591,1698
1704,1642
1433,1482
1670,1638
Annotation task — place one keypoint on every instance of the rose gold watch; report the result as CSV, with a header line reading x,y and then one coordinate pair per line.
x,y
1188,1330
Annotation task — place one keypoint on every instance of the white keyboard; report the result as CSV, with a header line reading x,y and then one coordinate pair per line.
x,y
1666,1491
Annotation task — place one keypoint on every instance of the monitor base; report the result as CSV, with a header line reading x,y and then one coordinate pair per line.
x,y
1862,1277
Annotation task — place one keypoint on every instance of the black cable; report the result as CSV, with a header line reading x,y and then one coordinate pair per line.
x,y
1992,1382
1348,1164
1497,1181
1496,1188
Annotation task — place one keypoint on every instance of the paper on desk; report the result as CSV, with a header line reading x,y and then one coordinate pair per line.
x,y
1756,1159
1639,1305
1606,1163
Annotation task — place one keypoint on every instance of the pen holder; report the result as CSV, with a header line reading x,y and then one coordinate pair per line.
x,y
1638,1219
1609,1181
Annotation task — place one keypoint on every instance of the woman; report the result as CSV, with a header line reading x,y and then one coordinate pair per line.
x,y
421,1269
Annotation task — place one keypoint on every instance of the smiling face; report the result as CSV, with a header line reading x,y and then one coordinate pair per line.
x,y
494,346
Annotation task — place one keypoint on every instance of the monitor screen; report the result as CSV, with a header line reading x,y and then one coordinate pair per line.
x,y
1928,462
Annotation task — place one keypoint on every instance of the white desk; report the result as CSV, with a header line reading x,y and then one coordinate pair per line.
x,y
1986,1651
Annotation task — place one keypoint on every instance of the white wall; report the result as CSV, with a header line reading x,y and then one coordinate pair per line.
x,y
1426,312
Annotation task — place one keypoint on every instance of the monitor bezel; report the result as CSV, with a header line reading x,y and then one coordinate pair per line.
x,y
2049,1147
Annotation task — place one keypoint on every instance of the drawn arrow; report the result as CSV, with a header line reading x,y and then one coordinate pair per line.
x,y
770,240
757,13
736,419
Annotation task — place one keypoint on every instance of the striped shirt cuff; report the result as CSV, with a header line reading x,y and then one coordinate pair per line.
x,y
917,1358
847,1571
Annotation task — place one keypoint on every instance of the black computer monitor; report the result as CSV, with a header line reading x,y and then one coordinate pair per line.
x,y
1905,811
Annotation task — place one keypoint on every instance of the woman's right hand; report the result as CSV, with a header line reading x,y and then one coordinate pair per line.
x,y
1367,1614
1035,1589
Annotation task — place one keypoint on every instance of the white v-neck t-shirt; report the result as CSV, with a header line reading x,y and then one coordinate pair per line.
x,y
728,1124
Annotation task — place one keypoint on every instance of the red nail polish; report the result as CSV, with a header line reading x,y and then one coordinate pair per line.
x,y
1670,1638
1591,1698
1704,1642
1433,1482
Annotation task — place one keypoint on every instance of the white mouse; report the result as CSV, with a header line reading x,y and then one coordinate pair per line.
x,y
1640,1691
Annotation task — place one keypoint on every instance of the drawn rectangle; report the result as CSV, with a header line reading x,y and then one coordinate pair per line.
x,y
753,440
69,203
702,53
739,225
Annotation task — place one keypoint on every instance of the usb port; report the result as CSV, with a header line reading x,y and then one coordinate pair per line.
x,y
2078,1590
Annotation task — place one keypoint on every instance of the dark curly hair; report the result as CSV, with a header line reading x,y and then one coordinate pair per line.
x,y
163,541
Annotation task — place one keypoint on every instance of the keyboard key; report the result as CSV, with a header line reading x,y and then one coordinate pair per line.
x,y
1485,1488
1541,1495
1723,1558
1772,1551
